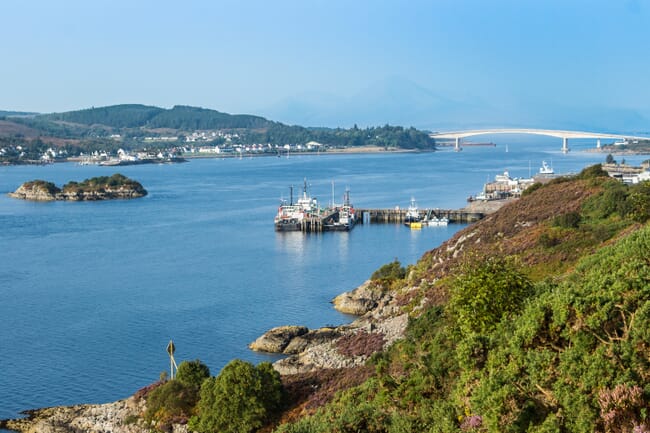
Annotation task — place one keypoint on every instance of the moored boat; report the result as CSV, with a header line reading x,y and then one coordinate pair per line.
x,y
291,215
347,216
435,221
545,169
412,214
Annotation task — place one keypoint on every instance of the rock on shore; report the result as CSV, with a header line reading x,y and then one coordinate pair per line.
x,y
379,320
117,417
360,300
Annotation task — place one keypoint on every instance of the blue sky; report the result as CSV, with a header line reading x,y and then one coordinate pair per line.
x,y
430,63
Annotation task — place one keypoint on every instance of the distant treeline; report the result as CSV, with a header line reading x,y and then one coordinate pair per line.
x,y
142,116
93,128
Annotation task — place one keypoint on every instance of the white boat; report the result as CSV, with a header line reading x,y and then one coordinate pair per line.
x,y
545,169
436,222
433,220
412,213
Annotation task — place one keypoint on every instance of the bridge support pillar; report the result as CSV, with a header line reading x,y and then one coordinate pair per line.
x,y
457,146
598,143
565,145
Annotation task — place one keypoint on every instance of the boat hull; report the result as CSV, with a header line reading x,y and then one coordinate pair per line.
x,y
288,226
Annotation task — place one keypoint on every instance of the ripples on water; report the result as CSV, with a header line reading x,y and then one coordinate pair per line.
x,y
92,292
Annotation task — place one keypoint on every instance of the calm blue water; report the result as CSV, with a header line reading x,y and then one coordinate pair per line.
x,y
92,292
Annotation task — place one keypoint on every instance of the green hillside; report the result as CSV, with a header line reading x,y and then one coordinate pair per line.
x,y
116,116
143,116
532,336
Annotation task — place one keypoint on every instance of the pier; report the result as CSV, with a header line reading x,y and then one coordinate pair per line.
x,y
396,216
316,223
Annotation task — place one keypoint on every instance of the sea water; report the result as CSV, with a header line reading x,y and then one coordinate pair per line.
x,y
92,292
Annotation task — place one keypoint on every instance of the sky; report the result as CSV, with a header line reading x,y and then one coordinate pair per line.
x,y
337,62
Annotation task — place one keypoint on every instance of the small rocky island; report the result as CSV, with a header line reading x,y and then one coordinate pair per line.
x,y
116,186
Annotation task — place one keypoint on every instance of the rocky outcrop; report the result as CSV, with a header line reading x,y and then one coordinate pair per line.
x,y
313,338
118,417
360,300
102,188
36,191
379,320
277,339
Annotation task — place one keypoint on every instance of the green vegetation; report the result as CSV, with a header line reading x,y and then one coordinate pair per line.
x,y
390,272
240,400
102,183
485,292
43,185
175,400
142,116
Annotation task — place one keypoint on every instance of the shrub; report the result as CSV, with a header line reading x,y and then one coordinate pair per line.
x,y
241,399
172,402
175,400
534,187
569,220
192,373
389,272
49,187
592,171
484,292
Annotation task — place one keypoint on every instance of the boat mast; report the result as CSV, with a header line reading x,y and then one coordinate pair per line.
x,y
291,195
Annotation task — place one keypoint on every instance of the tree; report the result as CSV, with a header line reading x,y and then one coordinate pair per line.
x,y
610,159
192,373
241,399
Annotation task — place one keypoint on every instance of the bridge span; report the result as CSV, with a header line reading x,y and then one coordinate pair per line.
x,y
564,135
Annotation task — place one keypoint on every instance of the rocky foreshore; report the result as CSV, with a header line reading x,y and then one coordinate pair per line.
x,y
379,320
116,417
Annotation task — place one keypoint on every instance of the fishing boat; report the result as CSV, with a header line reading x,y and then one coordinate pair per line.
x,y
290,215
412,217
347,216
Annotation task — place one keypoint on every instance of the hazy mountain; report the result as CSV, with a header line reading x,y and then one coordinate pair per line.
x,y
399,101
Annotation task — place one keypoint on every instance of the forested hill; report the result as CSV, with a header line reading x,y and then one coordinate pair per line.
x,y
136,126
143,116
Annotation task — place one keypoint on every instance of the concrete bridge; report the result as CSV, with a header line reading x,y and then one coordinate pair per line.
x,y
564,135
